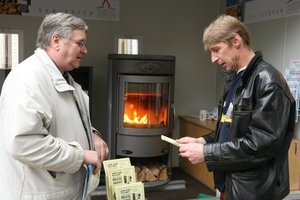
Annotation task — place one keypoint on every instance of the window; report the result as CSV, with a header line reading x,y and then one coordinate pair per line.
x,y
127,44
11,47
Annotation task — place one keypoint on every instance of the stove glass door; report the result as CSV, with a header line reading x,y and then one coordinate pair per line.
x,y
144,105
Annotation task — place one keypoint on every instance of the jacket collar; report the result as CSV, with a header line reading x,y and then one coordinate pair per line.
x,y
252,66
247,72
58,80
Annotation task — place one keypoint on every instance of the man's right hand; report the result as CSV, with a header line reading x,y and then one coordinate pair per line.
x,y
91,157
187,140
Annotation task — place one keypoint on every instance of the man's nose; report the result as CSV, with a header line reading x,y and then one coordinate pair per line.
x,y
214,58
84,50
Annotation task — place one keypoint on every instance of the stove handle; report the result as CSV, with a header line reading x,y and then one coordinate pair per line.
x,y
128,152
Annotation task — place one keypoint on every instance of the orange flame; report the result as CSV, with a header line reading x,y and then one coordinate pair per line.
x,y
135,119
140,112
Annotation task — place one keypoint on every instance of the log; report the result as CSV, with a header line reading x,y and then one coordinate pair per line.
x,y
154,169
140,173
151,172
163,174
149,176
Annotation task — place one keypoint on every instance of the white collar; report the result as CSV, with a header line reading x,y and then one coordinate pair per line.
x,y
241,69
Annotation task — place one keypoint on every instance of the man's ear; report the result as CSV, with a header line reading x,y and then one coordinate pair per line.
x,y
236,40
55,42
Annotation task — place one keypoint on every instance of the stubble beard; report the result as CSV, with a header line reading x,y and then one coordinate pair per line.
x,y
235,65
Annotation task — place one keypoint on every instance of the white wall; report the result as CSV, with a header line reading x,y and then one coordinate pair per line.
x,y
279,41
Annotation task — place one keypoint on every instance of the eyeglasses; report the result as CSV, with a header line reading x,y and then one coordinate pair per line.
x,y
81,43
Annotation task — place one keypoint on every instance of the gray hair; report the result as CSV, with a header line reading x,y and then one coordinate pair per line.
x,y
60,24
223,29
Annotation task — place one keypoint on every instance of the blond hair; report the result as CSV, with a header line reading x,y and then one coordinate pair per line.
x,y
223,29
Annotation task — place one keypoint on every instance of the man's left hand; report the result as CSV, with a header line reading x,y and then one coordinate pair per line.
x,y
101,147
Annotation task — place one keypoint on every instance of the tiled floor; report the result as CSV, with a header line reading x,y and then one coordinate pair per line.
x,y
294,195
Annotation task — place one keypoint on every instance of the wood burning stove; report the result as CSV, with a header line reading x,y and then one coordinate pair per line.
x,y
141,97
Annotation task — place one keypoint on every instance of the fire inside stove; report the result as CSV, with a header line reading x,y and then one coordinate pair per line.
x,y
145,110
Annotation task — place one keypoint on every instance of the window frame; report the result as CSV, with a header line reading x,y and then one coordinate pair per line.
x,y
130,37
20,42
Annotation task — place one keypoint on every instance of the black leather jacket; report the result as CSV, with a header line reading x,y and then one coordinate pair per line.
x,y
256,158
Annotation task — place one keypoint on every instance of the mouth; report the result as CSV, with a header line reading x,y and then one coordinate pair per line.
x,y
222,64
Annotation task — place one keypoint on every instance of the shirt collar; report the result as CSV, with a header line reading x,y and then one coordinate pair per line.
x,y
241,69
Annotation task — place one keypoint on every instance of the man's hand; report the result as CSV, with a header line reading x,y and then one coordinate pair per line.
x,y
186,140
100,147
97,156
192,151
91,157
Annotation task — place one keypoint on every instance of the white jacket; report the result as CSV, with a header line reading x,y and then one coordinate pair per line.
x,y
42,136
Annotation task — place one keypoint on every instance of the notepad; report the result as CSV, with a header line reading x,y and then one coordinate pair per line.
x,y
169,140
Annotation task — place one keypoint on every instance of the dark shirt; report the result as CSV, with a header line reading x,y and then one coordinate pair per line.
x,y
225,124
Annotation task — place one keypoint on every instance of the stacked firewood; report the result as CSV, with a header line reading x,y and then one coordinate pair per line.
x,y
151,172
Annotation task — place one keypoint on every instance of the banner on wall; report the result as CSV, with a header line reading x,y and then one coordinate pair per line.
x,y
90,9
251,11
236,8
